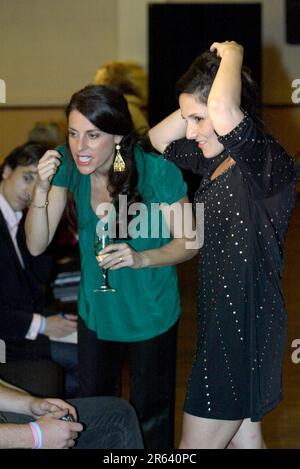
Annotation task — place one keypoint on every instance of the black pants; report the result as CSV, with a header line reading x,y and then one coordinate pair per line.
x,y
66,355
152,376
109,423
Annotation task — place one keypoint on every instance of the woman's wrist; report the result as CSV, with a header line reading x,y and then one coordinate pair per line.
x,y
144,259
40,190
232,51
39,197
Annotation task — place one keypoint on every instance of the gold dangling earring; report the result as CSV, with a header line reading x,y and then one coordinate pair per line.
x,y
119,163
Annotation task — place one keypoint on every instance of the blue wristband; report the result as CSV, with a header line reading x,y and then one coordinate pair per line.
x,y
43,325
38,434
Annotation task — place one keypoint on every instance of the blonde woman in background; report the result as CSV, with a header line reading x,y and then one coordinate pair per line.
x,y
129,79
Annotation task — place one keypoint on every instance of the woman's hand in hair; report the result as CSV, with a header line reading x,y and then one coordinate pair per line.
x,y
224,100
223,47
47,167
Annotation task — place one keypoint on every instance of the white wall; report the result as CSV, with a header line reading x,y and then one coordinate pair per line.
x,y
281,61
133,32
51,48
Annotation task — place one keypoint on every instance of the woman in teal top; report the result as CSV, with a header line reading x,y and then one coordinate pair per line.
x,y
102,162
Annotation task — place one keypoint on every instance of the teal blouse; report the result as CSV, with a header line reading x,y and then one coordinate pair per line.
x,y
147,301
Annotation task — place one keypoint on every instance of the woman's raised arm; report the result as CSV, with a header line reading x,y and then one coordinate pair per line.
x,y
224,99
47,205
169,129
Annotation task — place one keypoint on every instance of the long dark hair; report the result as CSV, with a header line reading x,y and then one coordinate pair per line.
x,y
199,77
107,109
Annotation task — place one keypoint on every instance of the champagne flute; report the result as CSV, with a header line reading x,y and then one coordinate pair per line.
x,y
102,239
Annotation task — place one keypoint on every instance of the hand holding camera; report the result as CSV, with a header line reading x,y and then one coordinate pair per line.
x,y
67,418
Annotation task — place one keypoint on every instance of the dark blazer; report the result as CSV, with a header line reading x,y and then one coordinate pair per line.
x,y
20,296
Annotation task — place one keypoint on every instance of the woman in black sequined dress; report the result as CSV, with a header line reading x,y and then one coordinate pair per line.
x,y
248,191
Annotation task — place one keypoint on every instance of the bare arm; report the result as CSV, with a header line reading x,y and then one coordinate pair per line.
x,y
169,129
21,402
225,95
179,219
14,436
14,400
56,433
48,204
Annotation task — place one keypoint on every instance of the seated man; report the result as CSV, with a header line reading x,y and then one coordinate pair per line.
x,y
23,325
30,422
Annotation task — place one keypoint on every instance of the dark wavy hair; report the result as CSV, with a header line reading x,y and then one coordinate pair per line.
x,y
24,155
199,77
107,109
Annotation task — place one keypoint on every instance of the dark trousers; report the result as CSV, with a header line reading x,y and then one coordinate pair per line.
x,y
66,356
152,378
109,423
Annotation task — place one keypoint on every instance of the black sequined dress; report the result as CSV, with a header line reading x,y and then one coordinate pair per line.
x,y
241,312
